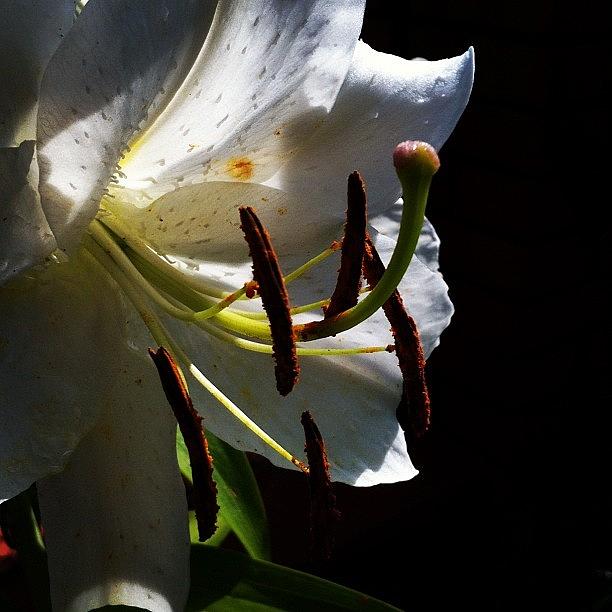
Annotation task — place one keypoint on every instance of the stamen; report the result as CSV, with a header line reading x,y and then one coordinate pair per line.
x,y
349,277
162,337
259,347
138,245
271,287
323,512
103,238
414,411
296,309
187,296
190,424
335,246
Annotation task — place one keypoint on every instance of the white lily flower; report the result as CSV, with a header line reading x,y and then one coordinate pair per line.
x,y
160,119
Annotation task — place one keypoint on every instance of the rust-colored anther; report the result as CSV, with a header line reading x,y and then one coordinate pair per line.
x,y
190,424
413,411
353,245
274,297
250,289
323,512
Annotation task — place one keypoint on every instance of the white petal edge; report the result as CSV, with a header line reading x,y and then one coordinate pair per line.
x,y
268,72
115,519
115,70
384,101
31,32
60,330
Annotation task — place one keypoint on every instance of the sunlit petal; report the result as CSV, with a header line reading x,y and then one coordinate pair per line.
x,y
384,100
113,73
269,71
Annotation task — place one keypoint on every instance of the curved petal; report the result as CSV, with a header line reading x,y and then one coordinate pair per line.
x,y
384,100
114,71
428,247
269,70
31,32
115,519
353,399
25,236
200,224
59,332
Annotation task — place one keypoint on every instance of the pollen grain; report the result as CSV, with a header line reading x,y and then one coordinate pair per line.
x,y
240,168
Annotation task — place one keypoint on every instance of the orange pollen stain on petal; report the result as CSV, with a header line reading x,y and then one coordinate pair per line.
x,y
240,168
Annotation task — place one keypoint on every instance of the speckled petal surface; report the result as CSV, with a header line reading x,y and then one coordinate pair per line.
x,y
113,73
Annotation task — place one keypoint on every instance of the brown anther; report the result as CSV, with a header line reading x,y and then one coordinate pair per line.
x,y
413,412
251,289
323,512
336,245
271,287
190,424
353,245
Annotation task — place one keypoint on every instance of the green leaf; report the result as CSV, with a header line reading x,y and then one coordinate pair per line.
x,y
237,493
216,539
227,581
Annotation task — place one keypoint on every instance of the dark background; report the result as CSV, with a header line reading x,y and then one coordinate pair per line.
x,y
512,510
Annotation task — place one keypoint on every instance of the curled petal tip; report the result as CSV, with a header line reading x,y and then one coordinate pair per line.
x,y
413,153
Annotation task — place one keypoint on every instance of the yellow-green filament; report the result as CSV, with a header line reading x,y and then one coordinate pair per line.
x,y
312,262
163,338
259,347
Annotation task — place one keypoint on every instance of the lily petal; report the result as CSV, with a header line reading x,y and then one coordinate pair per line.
x,y
428,247
114,72
269,70
200,225
353,398
123,539
60,329
31,32
25,236
384,100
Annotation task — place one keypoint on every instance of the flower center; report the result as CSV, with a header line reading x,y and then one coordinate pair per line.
x,y
148,279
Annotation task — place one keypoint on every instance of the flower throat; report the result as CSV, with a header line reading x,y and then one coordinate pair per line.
x,y
152,284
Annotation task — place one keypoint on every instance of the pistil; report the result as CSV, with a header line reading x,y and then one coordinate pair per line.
x,y
415,163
